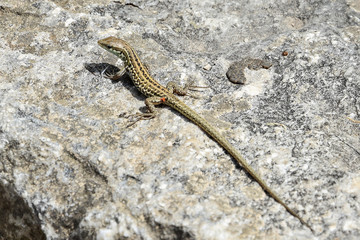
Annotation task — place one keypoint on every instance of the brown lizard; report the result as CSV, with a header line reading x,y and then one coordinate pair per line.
x,y
158,94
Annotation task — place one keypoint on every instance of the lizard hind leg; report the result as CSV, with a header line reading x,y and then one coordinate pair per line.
x,y
152,112
174,87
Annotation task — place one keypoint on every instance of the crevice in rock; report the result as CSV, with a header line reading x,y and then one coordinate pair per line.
x,y
17,219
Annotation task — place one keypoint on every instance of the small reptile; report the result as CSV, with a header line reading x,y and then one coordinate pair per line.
x,y
158,94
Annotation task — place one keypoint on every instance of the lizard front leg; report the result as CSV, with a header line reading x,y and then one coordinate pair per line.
x,y
115,76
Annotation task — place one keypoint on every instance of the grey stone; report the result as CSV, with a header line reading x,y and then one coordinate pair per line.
x,y
71,169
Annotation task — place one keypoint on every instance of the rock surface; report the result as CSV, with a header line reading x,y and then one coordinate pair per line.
x,y
71,169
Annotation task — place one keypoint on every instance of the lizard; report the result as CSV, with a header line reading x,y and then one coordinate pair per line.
x,y
157,94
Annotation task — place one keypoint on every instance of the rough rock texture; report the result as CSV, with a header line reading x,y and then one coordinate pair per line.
x,y
70,169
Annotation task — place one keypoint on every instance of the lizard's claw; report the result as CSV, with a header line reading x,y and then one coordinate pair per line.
x,y
134,118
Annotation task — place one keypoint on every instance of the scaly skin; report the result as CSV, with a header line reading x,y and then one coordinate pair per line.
x,y
158,94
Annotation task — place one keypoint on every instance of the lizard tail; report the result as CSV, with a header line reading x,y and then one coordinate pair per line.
x,y
217,136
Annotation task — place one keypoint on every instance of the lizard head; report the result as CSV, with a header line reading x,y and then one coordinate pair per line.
x,y
116,46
